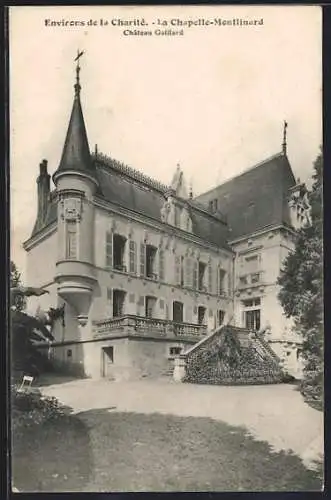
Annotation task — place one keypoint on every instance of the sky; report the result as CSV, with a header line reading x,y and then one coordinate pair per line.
x,y
213,100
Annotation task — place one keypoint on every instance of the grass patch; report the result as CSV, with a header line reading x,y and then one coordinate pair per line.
x,y
106,451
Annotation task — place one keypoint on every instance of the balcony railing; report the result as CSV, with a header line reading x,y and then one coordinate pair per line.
x,y
251,279
135,325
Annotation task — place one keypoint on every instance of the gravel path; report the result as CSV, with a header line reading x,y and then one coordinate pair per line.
x,y
273,413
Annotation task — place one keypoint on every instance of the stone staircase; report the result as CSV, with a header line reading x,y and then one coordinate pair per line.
x,y
232,356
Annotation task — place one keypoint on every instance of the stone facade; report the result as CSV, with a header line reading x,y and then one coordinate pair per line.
x,y
145,271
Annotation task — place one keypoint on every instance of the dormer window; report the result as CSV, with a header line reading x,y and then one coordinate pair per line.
x,y
213,205
299,205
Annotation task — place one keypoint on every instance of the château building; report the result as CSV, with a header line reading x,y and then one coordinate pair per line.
x,y
145,271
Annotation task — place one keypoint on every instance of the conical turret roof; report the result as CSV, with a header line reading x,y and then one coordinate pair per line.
x,y
76,152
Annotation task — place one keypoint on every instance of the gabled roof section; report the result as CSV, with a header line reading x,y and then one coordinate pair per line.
x,y
255,199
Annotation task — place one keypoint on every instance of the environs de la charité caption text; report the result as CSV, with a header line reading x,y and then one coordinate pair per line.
x,y
158,27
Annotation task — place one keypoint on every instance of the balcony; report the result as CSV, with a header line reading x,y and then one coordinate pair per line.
x,y
149,327
250,280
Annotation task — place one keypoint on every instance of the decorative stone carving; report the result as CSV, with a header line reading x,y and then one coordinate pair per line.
x,y
185,220
71,209
165,211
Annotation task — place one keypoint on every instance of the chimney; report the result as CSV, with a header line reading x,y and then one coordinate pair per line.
x,y
43,183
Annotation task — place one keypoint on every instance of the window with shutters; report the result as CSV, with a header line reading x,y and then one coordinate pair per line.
x,y
161,265
150,303
151,252
118,302
119,243
132,257
201,277
109,250
178,312
71,240
201,315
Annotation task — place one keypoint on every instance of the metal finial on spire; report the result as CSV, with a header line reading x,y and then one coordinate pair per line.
x,y
77,84
284,145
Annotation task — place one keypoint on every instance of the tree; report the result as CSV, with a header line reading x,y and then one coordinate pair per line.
x,y
17,300
301,292
26,329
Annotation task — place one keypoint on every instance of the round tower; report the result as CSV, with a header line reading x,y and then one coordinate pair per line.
x,y
76,183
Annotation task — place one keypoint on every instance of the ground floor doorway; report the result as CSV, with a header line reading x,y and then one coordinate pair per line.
x,y
107,361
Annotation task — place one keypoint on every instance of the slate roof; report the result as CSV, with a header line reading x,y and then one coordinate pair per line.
x,y
76,151
255,199
128,188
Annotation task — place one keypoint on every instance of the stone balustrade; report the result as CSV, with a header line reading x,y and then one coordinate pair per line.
x,y
147,326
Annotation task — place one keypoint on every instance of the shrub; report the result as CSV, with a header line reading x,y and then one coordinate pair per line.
x,y
311,388
31,407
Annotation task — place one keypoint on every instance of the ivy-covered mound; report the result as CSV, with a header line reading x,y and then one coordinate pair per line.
x,y
232,356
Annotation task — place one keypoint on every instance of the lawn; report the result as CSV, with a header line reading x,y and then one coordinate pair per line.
x,y
104,451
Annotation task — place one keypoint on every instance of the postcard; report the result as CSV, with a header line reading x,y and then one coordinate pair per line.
x,y
166,172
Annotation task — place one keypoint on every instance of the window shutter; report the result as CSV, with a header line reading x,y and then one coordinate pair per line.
x,y
230,284
132,298
188,273
141,300
142,259
210,278
177,270
214,279
109,249
188,311
161,265
243,324
109,294
132,257
195,275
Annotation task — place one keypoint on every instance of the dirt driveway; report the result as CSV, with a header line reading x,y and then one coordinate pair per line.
x,y
273,413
